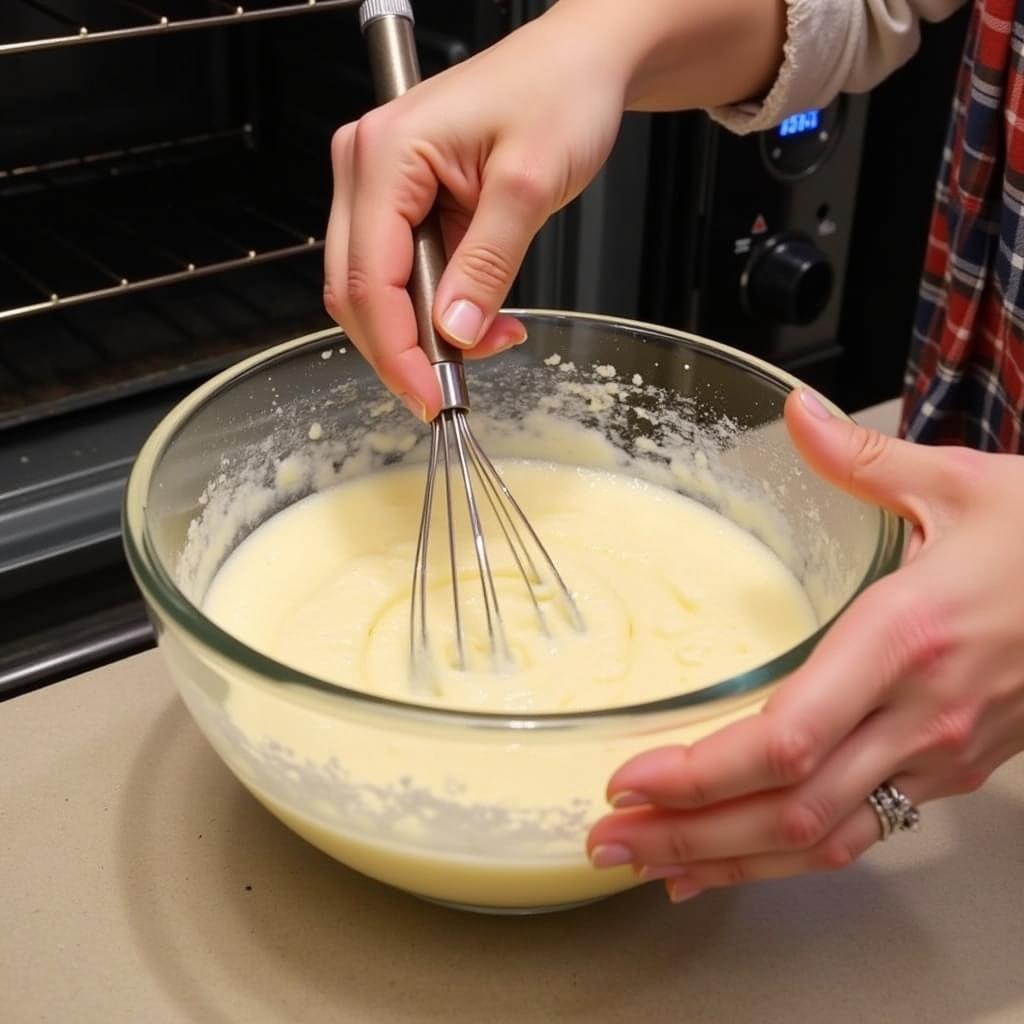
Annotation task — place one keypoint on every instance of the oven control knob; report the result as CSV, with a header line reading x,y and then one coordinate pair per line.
x,y
788,280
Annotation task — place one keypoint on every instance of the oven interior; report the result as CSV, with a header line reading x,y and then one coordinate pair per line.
x,y
164,192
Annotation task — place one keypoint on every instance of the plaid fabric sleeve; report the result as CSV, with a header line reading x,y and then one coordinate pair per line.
x,y
964,382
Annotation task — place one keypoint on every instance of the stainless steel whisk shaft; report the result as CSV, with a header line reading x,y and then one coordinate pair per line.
x,y
387,28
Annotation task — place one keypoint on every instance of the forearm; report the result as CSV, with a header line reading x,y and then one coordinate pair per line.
x,y
678,54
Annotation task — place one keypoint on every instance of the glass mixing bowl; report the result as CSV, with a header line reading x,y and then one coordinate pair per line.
x,y
481,811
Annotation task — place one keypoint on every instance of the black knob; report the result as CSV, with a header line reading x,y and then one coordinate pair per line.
x,y
788,279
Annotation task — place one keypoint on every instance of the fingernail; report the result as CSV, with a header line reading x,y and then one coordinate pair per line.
x,y
612,855
415,406
462,321
683,890
510,343
628,798
812,403
649,874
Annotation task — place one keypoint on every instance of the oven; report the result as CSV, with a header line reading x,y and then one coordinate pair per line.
x,y
164,188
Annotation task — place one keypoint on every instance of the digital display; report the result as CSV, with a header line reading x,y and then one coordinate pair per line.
x,y
800,124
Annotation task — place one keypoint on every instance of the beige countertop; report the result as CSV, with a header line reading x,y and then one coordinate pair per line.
x,y
141,883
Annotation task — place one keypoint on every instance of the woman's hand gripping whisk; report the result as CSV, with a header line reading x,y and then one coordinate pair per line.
x,y
458,466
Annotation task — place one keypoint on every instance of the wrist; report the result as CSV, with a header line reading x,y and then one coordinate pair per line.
x,y
672,55
591,33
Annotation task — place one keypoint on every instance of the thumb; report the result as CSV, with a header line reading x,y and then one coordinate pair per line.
x,y
902,477
512,209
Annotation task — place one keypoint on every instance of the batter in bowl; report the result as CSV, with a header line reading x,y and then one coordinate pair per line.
x,y
674,596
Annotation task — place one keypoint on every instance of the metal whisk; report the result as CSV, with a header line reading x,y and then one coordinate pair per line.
x,y
387,28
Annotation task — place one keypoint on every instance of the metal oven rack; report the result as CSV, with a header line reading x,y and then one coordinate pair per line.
x,y
45,24
122,224
117,226
115,223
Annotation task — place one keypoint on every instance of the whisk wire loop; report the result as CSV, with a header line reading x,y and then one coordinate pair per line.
x,y
460,641
418,604
492,484
492,610
568,600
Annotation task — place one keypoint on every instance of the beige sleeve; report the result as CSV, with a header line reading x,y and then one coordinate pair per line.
x,y
835,46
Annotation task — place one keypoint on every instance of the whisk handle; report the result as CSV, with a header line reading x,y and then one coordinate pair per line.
x,y
387,30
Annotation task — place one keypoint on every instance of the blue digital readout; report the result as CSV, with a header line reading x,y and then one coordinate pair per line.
x,y
800,124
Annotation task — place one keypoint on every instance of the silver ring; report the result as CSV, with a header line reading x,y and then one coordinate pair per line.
x,y
894,811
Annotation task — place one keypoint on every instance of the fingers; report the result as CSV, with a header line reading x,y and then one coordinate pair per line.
x,y
854,836
388,197
793,819
504,333
336,241
385,335
884,636
845,844
514,203
914,481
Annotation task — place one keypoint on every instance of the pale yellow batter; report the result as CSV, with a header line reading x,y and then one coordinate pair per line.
x,y
674,598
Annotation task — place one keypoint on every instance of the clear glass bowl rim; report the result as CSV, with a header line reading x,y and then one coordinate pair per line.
x,y
163,595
